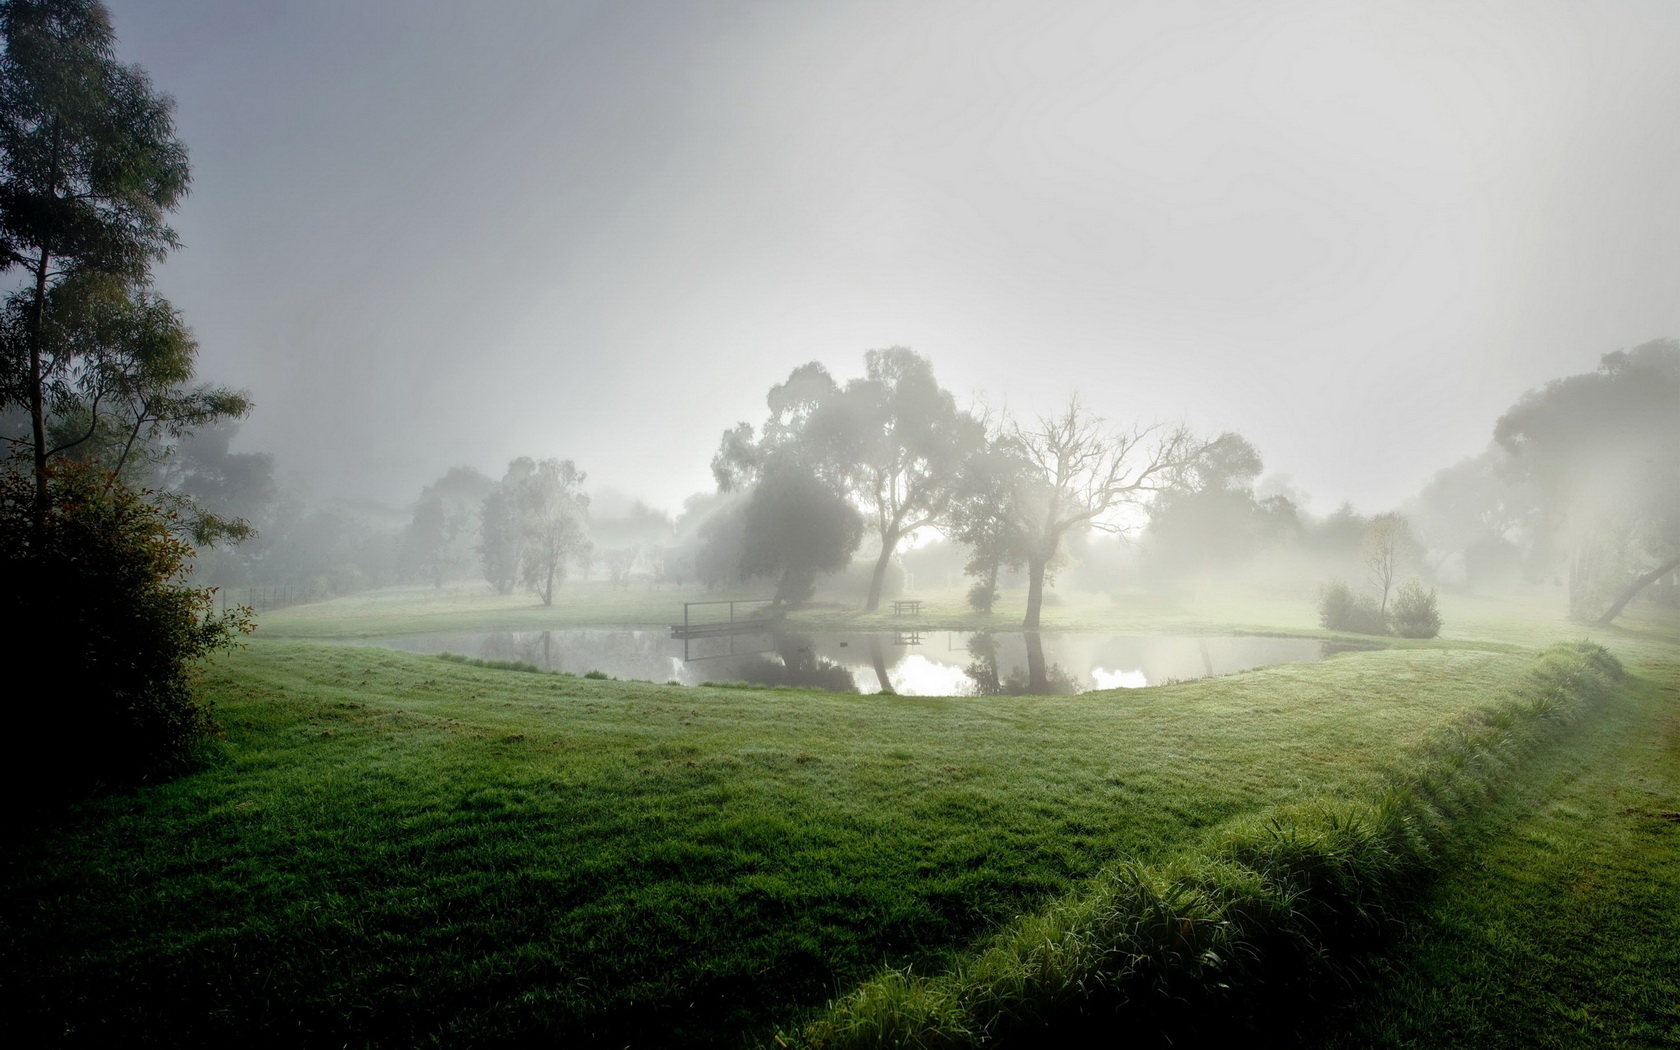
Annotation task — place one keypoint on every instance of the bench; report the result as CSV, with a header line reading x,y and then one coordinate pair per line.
x,y
911,605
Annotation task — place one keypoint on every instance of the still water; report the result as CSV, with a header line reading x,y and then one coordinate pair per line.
x,y
913,663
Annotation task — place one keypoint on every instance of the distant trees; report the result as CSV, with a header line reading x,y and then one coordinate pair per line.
x,y
439,540
531,524
794,528
980,519
887,449
1603,450
1476,513
1210,522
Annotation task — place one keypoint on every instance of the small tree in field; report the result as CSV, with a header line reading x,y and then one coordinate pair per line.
x,y
1415,614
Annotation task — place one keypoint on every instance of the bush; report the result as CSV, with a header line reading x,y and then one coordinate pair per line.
x,y
1339,609
1414,614
102,616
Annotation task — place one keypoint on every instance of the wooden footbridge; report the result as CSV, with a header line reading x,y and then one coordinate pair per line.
x,y
744,616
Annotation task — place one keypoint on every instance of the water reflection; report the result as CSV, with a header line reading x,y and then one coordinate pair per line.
x,y
925,663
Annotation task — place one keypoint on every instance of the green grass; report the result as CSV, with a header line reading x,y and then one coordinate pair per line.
x,y
390,849
1562,931
1222,934
396,848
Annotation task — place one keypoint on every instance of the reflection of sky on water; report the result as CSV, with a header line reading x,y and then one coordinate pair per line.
x,y
1117,679
939,663
916,675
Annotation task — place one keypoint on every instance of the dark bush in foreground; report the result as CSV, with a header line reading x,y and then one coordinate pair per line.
x,y
101,615
1339,609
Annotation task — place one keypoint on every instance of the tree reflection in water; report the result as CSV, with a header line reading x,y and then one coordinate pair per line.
x,y
1040,678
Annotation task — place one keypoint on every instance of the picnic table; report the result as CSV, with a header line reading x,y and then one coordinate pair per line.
x,y
911,605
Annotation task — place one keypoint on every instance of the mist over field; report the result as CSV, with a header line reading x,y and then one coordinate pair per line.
x,y
844,524
425,235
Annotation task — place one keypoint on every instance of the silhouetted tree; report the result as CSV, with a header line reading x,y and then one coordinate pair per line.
x,y
1080,473
892,442
981,517
1211,521
1604,450
794,528
89,166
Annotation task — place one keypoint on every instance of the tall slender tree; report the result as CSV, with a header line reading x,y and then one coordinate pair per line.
x,y
89,167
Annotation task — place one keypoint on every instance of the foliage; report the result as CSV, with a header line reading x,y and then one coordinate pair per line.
x,y
979,519
1415,613
795,527
111,625
1604,451
892,442
96,361
439,541
1339,609
531,523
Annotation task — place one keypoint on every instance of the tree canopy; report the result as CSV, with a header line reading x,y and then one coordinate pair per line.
x,y
1603,449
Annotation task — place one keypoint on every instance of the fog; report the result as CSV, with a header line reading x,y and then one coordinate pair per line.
x,y
428,235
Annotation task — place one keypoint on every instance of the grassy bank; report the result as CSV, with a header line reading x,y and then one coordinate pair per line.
x,y
397,849
472,606
1562,932
1182,944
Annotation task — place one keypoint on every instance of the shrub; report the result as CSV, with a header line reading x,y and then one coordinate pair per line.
x,y
1415,614
102,616
1339,609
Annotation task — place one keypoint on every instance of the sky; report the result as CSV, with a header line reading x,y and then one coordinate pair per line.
x,y
425,233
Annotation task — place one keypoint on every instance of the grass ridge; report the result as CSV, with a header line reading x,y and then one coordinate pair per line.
x,y
1139,943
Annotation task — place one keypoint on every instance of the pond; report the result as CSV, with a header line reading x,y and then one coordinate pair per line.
x,y
912,663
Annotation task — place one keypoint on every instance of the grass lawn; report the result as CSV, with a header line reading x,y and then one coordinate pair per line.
x,y
399,847
1565,931
391,849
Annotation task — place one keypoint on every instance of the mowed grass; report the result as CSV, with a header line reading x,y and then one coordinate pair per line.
x,y
1563,932
398,850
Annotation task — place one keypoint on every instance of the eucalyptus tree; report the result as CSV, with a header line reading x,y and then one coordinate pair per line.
x,y
892,442
89,167
1603,449
1077,473
531,523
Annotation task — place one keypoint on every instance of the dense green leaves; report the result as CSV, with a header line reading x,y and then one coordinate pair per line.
x,y
111,627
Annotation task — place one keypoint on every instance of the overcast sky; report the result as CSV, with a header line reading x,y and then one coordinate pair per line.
x,y
427,233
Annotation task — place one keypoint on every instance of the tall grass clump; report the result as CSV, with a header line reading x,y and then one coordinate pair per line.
x,y
1264,906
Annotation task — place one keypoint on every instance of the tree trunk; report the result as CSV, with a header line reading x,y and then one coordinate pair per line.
x,y
1035,592
1038,672
37,392
1635,587
878,657
879,577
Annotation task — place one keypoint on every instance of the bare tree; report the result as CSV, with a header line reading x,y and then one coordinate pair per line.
x,y
1386,547
1078,472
